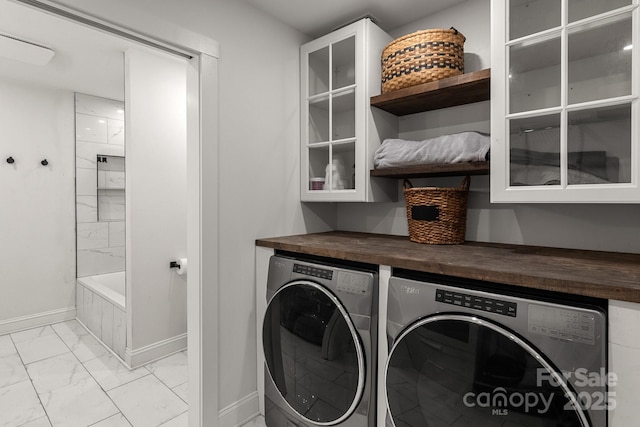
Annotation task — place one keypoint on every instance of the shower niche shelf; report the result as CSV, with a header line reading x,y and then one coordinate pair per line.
x,y
110,184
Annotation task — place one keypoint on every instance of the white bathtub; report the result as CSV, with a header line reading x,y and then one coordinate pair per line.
x,y
109,286
100,307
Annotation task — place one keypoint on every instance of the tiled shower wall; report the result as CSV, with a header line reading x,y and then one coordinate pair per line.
x,y
100,237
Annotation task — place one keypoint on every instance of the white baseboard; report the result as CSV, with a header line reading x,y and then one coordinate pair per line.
x,y
16,324
155,351
239,412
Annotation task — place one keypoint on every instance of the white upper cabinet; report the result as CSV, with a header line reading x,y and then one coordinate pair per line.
x,y
564,101
339,133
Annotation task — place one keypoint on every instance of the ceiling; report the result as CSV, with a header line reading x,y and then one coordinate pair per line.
x,y
91,62
85,60
317,18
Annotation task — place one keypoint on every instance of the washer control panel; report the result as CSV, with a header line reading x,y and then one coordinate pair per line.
x,y
490,305
308,270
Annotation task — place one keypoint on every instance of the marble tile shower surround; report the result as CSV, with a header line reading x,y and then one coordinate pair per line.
x,y
103,318
111,189
100,241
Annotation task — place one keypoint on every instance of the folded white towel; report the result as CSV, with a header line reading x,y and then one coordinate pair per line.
x,y
454,148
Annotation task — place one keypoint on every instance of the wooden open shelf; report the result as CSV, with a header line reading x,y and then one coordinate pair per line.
x,y
425,171
458,90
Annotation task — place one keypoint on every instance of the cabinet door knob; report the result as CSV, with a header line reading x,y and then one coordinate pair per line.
x,y
10,160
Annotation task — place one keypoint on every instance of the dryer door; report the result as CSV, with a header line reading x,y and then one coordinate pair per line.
x,y
466,371
313,353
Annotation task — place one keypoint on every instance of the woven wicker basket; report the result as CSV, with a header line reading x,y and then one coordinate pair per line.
x,y
437,216
422,57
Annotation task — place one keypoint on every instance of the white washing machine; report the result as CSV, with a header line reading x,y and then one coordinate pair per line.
x,y
319,339
465,353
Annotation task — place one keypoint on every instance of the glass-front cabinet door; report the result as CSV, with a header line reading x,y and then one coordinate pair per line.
x,y
336,84
564,101
332,116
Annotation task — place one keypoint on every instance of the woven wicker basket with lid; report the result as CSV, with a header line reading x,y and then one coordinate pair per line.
x,y
422,57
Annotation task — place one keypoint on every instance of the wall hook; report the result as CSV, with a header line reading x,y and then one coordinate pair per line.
x,y
10,160
44,162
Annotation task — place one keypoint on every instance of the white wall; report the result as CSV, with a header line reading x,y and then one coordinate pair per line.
x,y
259,155
156,204
37,220
582,226
259,170
473,19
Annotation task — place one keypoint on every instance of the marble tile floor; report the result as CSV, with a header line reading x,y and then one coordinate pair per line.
x,y
61,376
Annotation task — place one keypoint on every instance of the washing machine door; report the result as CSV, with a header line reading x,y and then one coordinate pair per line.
x,y
313,353
466,371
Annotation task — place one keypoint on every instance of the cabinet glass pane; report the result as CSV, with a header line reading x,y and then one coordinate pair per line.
x,y
579,9
319,71
318,161
343,167
534,156
319,120
534,75
532,16
599,145
344,116
344,63
600,62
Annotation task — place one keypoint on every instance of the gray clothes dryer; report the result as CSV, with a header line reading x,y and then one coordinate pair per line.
x,y
467,354
319,339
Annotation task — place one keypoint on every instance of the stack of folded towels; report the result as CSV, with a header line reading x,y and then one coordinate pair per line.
x,y
454,148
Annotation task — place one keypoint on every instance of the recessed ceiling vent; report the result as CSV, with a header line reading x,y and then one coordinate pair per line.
x,y
24,51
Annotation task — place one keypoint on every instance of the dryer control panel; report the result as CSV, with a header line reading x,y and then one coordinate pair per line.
x,y
352,283
308,270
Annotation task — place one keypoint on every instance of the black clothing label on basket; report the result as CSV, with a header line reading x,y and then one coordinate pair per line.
x,y
425,213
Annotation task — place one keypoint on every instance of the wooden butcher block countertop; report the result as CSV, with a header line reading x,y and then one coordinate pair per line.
x,y
608,275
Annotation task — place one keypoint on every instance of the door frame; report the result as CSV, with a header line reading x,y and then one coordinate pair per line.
x,y
202,192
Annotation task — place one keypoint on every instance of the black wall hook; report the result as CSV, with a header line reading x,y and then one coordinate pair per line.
x,y
44,162
10,160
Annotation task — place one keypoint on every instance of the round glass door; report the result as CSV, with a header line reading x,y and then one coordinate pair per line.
x,y
460,370
313,353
